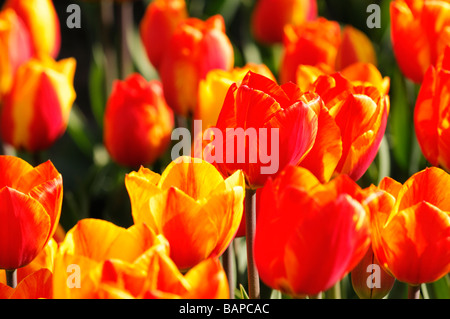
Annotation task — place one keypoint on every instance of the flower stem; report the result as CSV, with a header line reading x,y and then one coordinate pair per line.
x,y
414,292
11,277
250,226
228,257
126,23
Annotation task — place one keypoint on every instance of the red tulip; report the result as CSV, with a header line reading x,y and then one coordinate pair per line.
x,y
419,31
138,123
274,125
157,26
31,200
271,16
195,48
309,235
431,113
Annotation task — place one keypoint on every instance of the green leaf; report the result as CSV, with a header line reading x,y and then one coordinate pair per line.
x,y
78,131
97,86
439,289
244,294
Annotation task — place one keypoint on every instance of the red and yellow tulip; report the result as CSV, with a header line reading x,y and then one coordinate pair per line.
x,y
42,23
31,199
411,227
15,47
138,122
191,205
420,30
36,110
354,116
309,235
270,17
431,113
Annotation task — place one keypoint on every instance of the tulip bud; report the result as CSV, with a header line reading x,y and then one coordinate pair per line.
x,y
195,48
36,110
271,16
369,279
157,26
138,122
42,23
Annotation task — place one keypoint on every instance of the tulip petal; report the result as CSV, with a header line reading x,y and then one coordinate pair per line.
x,y
35,286
12,167
24,229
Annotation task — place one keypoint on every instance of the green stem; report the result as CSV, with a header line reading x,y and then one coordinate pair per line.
x,y
107,23
334,292
11,277
414,292
228,265
250,226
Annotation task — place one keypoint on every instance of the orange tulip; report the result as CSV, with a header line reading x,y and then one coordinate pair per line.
x,y
411,227
309,235
36,111
15,47
195,48
322,44
355,115
157,26
138,123
431,113
42,23
213,89
419,31
198,219
269,17
31,206
282,120
128,263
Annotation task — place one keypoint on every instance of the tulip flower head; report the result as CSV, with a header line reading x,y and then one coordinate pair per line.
x,y
42,23
36,110
309,235
138,122
31,199
411,227
431,113
265,127
419,31
198,218
195,48
270,17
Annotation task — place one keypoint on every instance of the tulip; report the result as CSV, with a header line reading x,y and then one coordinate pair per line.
x,y
411,227
431,113
269,17
309,235
42,23
15,47
213,89
138,123
195,48
198,219
360,113
322,44
419,31
355,47
31,206
157,26
36,111
313,43
281,118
